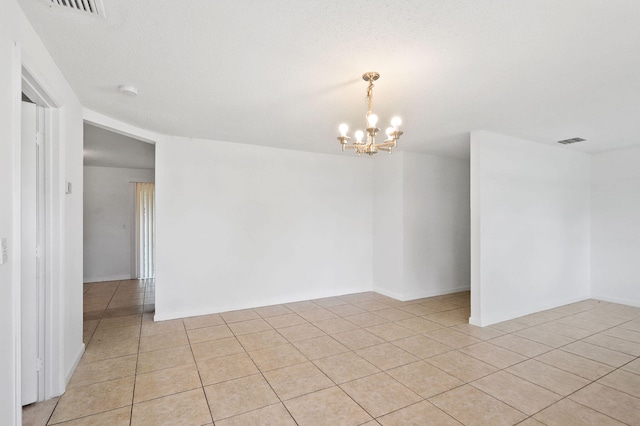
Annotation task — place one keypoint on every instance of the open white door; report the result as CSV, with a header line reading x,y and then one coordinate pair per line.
x,y
31,235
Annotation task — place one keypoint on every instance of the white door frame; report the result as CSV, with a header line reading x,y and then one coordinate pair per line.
x,y
32,244
49,311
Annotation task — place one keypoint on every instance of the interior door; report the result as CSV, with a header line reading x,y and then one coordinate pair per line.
x,y
29,262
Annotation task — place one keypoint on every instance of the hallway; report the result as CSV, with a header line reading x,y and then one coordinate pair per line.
x,y
355,359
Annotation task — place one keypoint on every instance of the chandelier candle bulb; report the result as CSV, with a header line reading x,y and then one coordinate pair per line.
x,y
389,131
370,146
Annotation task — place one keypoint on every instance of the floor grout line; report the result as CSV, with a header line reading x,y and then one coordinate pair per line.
x,y
370,303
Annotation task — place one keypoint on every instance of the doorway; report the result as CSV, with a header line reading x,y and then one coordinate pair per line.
x,y
113,164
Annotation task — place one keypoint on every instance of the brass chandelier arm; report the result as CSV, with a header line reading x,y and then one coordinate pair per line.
x,y
386,144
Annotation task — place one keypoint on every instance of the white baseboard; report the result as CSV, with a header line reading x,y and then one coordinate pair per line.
x,y
483,322
102,278
440,292
75,365
390,294
622,301
476,321
420,295
164,316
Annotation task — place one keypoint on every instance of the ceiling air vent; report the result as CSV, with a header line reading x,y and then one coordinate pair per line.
x,y
93,7
570,141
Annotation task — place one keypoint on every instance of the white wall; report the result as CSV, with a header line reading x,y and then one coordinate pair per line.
x,y
67,246
10,271
241,226
530,227
109,221
615,227
388,235
435,225
64,320
421,225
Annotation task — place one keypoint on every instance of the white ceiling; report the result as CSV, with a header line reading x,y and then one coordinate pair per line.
x,y
285,73
104,148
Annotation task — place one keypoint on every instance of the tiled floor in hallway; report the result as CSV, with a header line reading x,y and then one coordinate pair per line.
x,y
349,360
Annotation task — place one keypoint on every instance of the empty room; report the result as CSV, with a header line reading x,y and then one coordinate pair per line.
x,y
320,213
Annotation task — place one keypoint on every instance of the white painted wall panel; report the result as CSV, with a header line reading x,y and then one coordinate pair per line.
x,y
421,225
436,225
241,226
615,253
531,216
388,263
10,270
108,221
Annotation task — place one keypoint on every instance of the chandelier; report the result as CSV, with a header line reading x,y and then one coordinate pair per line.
x,y
369,146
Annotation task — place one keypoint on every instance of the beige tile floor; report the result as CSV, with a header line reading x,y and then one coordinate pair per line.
x,y
349,360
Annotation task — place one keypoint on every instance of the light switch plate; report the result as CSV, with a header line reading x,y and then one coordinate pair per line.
x,y
4,251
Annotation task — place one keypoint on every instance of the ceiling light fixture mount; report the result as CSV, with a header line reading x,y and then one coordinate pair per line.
x,y
128,90
369,146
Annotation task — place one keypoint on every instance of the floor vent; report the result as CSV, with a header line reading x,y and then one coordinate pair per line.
x,y
570,141
93,7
